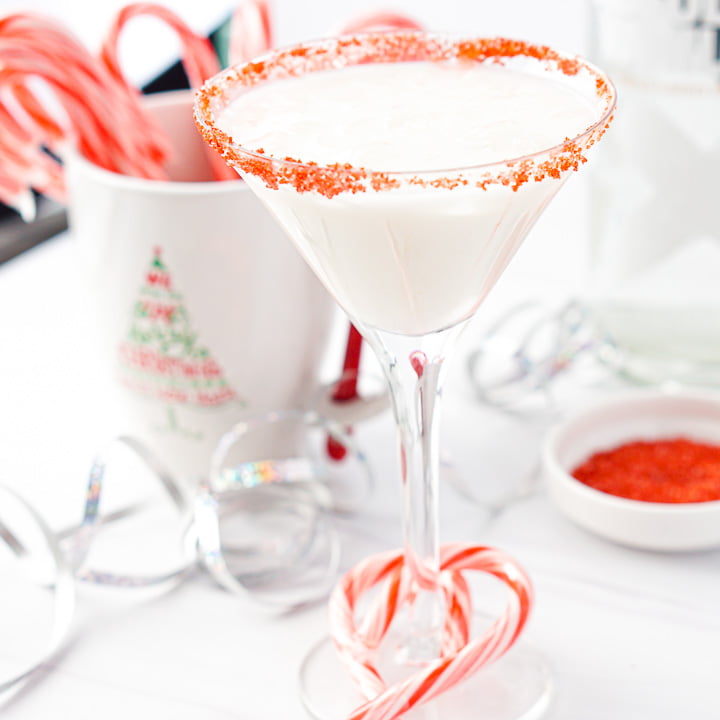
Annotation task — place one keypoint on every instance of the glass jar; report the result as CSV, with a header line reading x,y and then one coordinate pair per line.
x,y
655,252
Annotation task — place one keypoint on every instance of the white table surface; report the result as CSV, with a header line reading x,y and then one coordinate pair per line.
x,y
628,634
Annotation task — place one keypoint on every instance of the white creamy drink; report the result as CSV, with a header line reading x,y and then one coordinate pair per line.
x,y
407,167
420,257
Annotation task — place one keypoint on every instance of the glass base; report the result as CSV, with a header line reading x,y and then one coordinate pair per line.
x,y
516,687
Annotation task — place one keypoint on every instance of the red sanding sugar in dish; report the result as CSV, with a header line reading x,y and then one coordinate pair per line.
x,y
674,470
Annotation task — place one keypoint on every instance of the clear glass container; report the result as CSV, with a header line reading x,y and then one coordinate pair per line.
x,y
655,253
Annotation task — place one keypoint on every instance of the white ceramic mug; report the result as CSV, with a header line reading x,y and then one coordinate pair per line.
x,y
206,311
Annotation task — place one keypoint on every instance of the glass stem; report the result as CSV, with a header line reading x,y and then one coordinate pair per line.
x,y
415,369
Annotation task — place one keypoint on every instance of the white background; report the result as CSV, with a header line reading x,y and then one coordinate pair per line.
x,y
628,634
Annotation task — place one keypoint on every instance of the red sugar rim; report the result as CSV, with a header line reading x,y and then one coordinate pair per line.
x,y
398,46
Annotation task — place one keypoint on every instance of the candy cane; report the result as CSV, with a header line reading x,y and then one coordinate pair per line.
x,y
97,116
460,657
198,58
46,125
54,93
380,20
21,164
95,103
250,31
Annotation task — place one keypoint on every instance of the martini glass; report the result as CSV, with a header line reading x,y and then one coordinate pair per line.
x,y
410,255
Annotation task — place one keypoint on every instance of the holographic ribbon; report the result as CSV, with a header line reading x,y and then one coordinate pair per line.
x,y
316,473
81,539
300,487
534,345
199,518
63,589
321,542
305,478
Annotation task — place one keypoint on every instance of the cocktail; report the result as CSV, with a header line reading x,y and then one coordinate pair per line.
x,y
407,168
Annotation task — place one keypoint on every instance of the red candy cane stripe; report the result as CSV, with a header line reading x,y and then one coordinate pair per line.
x,y
352,643
199,58
251,32
380,20
55,94
461,657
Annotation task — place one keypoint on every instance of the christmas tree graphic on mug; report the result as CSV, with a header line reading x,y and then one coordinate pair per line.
x,y
161,356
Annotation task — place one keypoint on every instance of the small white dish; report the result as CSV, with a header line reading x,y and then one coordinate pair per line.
x,y
639,415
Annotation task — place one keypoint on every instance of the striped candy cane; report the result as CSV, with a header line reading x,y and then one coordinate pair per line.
x,y
198,58
53,95
460,657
